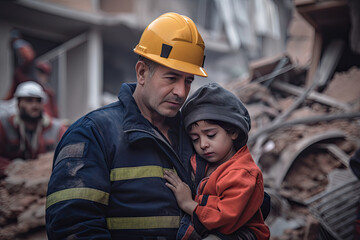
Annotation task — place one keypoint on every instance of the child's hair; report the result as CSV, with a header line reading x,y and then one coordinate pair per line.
x,y
229,128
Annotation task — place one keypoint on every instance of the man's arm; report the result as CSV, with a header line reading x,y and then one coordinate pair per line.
x,y
79,187
24,52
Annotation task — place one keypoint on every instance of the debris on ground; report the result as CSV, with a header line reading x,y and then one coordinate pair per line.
x,y
23,197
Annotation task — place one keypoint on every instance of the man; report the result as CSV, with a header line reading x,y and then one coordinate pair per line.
x,y
24,56
29,132
107,180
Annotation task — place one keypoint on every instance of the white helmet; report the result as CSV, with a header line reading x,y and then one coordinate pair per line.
x,y
30,89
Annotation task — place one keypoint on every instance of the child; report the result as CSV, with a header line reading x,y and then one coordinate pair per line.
x,y
229,197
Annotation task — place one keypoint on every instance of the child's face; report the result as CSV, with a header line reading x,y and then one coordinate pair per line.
x,y
212,142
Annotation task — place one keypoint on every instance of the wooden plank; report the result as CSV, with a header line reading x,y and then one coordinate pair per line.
x,y
321,98
302,2
306,120
337,152
329,60
319,6
324,13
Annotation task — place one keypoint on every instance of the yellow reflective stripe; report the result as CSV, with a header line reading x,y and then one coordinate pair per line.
x,y
126,173
78,193
143,222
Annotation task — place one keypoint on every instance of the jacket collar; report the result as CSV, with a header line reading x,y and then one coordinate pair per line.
x,y
134,120
132,115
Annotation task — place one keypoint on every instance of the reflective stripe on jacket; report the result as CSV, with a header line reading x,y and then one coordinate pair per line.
x,y
107,180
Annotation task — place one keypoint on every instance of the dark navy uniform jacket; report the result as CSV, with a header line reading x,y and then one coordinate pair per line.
x,y
107,180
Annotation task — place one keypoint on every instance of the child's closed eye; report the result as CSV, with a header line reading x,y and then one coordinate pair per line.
x,y
211,135
194,139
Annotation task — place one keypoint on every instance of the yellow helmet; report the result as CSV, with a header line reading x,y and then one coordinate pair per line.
x,y
173,40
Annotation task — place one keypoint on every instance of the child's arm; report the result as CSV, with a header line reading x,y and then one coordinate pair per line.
x,y
182,192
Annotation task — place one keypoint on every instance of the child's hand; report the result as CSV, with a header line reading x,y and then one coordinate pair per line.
x,y
181,190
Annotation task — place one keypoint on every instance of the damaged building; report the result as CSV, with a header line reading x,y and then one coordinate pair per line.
x,y
297,73
306,124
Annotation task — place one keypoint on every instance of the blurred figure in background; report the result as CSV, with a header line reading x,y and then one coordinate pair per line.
x,y
24,56
43,71
30,131
27,69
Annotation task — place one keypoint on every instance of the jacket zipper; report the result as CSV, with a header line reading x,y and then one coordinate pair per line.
x,y
162,140
159,138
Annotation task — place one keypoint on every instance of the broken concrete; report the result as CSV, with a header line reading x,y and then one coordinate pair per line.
x,y
23,197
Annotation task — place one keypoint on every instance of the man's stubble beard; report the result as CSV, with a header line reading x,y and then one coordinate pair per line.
x,y
27,118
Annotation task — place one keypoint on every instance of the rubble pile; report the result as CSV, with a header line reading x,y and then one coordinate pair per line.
x,y
23,197
305,111
300,139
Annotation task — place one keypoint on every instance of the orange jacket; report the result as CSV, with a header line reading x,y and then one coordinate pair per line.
x,y
231,197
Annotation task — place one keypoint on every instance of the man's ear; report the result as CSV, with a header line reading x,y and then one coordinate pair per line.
x,y
141,71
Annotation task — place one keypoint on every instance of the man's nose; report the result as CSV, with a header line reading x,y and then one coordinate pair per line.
x,y
180,88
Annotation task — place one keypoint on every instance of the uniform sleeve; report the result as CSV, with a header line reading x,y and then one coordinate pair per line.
x,y
239,197
79,186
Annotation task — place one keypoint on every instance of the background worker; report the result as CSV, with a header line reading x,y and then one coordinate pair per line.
x,y
28,132
24,56
107,180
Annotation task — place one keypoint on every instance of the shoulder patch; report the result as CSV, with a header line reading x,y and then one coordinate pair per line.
x,y
75,150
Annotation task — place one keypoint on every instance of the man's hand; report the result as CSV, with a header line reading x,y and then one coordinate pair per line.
x,y
182,192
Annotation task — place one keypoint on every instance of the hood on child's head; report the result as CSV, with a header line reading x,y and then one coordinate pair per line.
x,y
214,102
